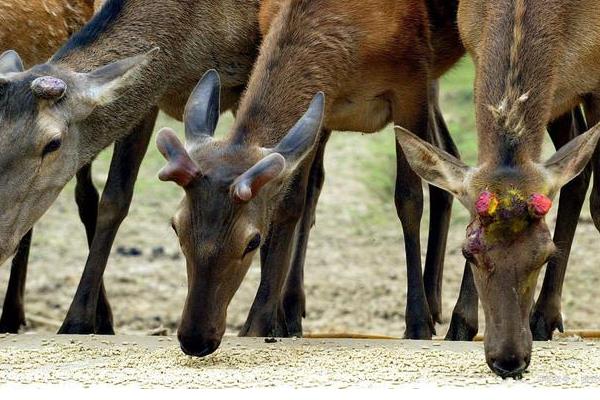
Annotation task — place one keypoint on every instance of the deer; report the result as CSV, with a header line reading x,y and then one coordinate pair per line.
x,y
35,30
323,65
533,66
104,86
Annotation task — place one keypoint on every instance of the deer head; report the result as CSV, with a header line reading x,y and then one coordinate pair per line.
x,y
507,241
231,191
43,112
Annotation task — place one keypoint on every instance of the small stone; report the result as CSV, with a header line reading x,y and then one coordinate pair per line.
x,y
158,251
129,251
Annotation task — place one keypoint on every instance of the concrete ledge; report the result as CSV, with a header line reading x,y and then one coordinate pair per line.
x,y
157,362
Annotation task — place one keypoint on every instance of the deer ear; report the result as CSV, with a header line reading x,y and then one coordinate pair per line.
x,y
10,62
571,159
247,185
101,86
292,149
434,165
202,109
181,169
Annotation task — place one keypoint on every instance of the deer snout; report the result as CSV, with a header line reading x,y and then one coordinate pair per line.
x,y
509,366
200,335
509,361
197,345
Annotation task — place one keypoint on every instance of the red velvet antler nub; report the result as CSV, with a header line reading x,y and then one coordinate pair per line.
x,y
539,205
486,204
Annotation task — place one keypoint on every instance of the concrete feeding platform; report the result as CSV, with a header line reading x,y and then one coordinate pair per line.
x,y
157,362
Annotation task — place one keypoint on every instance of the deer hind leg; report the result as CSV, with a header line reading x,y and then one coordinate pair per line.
x,y
114,206
546,314
440,212
294,301
13,309
411,111
267,317
465,318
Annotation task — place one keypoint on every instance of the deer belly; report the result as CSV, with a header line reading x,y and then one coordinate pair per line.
x,y
359,115
570,90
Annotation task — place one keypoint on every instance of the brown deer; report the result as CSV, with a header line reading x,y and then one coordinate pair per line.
x,y
104,86
535,61
35,29
371,62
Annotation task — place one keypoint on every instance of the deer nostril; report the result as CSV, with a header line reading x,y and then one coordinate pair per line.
x,y
511,367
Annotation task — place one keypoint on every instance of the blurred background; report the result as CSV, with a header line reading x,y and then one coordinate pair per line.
x,y
355,269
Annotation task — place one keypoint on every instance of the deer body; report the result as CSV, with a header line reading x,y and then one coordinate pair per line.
x,y
137,26
535,61
372,63
368,60
97,89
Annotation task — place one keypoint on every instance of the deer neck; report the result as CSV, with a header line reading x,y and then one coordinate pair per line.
x,y
515,81
305,51
193,36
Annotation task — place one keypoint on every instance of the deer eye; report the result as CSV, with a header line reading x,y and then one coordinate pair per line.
x,y
52,146
252,245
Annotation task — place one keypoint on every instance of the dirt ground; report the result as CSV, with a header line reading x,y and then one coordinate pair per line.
x,y
355,270
149,362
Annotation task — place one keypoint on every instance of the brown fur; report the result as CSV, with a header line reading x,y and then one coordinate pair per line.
x,y
188,34
556,43
98,4
549,70
36,28
192,36
535,61
375,64
359,56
